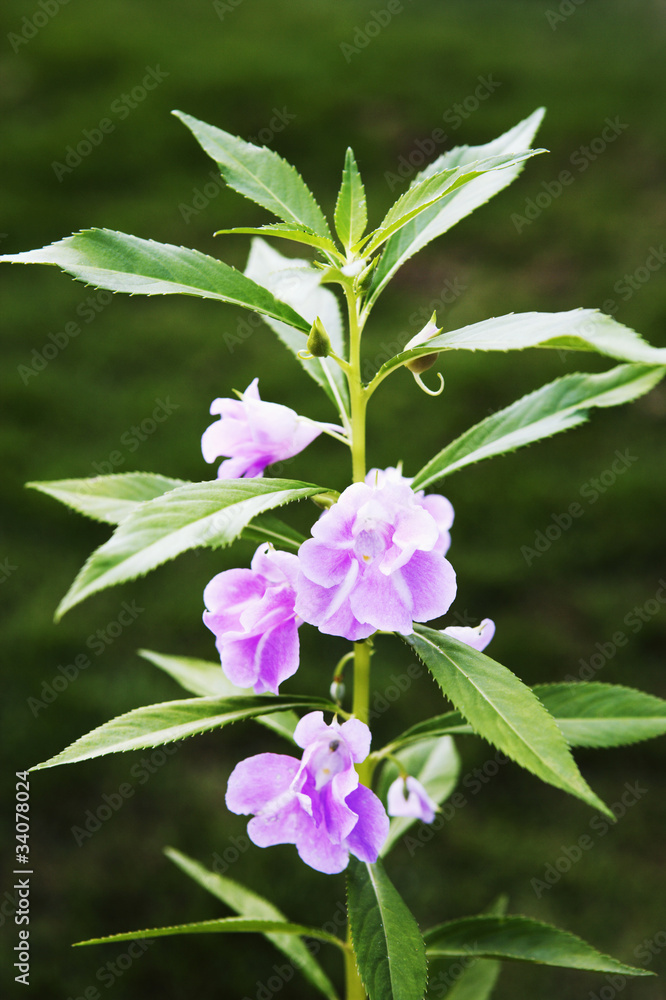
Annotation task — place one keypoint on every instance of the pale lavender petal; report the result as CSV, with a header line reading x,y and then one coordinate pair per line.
x,y
368,836
432,583
239,659
477,637
310,729
259,780
316,849
357,737
384,602
279,823
277,657
415,803
322,564
226,595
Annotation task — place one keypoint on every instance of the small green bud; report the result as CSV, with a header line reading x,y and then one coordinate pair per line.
x,y
419,365
318,343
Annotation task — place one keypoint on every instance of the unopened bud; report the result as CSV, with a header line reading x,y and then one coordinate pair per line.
x,y
418,365
318,343
337,691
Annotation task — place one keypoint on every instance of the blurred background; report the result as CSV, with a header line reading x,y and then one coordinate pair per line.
x,y
309,78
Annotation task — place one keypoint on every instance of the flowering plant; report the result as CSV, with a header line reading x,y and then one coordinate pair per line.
x,y
376,562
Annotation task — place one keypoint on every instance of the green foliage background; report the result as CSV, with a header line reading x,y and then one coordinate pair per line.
x,y
74,418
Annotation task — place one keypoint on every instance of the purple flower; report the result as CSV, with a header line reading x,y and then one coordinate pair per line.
x,y
477,637
251,612
255,434
316,803
375,561
408,797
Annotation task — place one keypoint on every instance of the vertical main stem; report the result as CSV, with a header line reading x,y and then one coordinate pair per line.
x,y
362,650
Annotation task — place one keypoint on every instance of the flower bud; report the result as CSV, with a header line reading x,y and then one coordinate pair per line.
x,y
419,365
318,343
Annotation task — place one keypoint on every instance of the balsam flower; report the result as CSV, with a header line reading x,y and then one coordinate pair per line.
x,y
316,803
374,562
251,613
254,434
407,797
477,637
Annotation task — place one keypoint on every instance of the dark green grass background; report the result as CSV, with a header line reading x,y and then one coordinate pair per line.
x,y
604,60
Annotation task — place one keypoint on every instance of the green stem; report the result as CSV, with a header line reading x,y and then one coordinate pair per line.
x,y
362,650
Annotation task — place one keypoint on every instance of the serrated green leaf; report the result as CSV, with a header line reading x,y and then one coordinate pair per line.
x,y
588,714
502,710
435,763
440,217
258,173
429,190
108,498
387,942
298,234
227,925
209,680
592,714
479,975
199,514
524,940
121,263
155,725
575,330
556,407
296,282
248,904
351,212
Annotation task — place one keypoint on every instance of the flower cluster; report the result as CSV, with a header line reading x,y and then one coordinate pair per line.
x,y
376,561
316,803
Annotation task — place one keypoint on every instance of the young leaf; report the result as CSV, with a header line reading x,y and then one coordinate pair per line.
x,y
440,217
556,407
429,191
198,514
351,213
575,330
121,263
285,231
154,725
435,763
588,714
296,282
387,942
248,904
227,925
502,710
258,173
209,681
109,498
523,940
